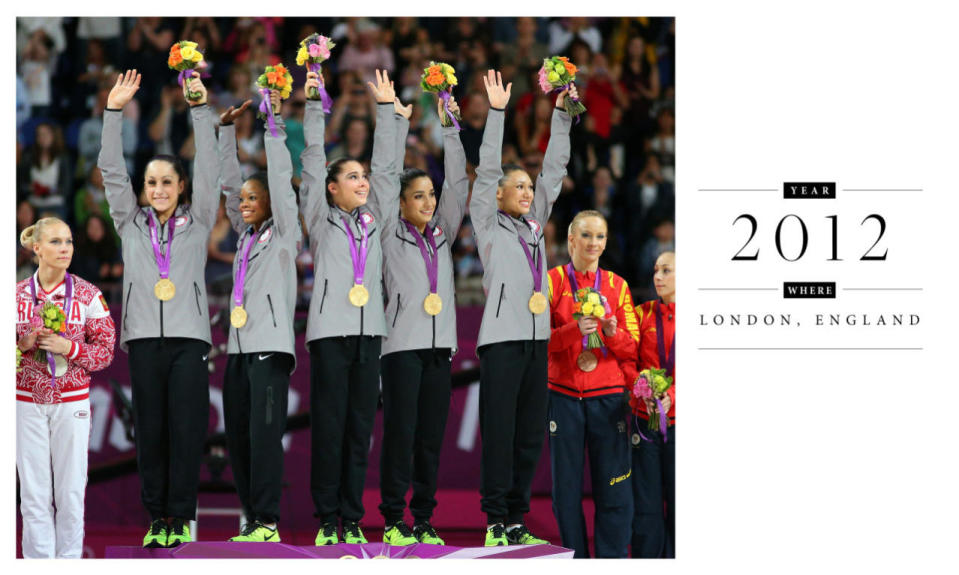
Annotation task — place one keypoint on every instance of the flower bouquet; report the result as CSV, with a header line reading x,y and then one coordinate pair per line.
x,y
439,79
314,50
651,385
184,58
51,317
19,358
556,75
273,78
589,302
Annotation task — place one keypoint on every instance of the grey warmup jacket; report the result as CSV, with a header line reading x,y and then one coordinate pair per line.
x,y
507,280
187,314
407,283
331,313
269,292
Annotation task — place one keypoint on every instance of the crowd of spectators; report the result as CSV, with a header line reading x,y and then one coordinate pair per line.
x,y
622,162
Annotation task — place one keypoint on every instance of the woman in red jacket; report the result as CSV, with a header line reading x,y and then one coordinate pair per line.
x,y
654,453
586,389
53,393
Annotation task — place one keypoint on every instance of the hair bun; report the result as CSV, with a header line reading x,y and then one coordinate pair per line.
x,y
27,236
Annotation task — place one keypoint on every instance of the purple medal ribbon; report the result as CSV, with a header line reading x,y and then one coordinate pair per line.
x,y
267,108
359,259
324,97
66,313
445,96
241,271
571,272
432,263
664,362
535,268
163,260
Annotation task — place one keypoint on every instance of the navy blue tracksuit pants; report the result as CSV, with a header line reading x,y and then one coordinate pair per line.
x,y
654,492
597,426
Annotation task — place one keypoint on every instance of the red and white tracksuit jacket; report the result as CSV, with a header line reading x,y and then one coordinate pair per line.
x,y
89,327
613,371
649,347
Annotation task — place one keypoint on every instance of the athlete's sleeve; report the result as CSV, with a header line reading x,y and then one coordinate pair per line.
x,y
624,342
564,333
96,352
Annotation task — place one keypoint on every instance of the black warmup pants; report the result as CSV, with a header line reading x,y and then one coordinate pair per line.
x,y
255,392
171,412
654,493
416,401
598,425
512,425
344,388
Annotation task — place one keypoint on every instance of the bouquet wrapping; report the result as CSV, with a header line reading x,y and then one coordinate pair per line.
x,y
556,75
589,302
273,78
314,50
652,385
184,58
439,78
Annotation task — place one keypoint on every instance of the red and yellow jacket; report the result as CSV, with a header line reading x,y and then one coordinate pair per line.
x,y
649,348
611,375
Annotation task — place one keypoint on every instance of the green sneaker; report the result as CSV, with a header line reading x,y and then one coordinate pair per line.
x,y
425,533
399,534
256,531
352,532
179,533
157,534
327,535
521,536
495,535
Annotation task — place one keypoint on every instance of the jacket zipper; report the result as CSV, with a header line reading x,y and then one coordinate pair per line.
x,y
323,300
272,315
395,315
196,290
126,306
502,287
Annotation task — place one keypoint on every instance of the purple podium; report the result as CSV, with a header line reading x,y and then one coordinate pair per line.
x,y
240,550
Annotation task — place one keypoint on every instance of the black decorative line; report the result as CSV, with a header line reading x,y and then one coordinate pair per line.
x,y
810,349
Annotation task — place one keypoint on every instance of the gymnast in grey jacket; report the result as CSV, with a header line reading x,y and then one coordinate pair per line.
x,y
346,321
263,212
421,321
508,216
166,325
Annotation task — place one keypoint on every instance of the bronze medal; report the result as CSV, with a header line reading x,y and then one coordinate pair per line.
x,y
586,361
359,295
238,317
164,289
433,304
538,303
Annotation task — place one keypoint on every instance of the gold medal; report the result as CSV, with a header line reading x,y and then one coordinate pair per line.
x,y
164,289
537,303
586,361
359,295
433,304
238,317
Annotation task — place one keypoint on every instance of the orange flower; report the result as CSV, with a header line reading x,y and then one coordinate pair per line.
x,y
280,70
175,59
433,70
271,77
280,80
578,307
569,67
435,79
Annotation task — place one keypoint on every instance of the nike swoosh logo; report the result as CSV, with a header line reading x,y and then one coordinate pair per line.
x,y
205,356
262,357
272,535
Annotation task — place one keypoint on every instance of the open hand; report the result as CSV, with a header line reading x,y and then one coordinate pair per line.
x,y
498,96
123,91
383,90
231,113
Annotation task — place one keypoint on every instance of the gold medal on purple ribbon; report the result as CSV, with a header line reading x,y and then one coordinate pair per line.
x,y
433,304
238,315
164,290
586,361
538,303
359,295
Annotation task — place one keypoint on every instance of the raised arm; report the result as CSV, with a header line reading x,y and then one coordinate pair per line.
x,y
456,185
279,171
116,180
313,186
384,183
550,180
231,179
206,200
490,169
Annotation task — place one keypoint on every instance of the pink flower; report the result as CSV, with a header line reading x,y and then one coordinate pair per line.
x,y
543,82
36,321
641,388
315,50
